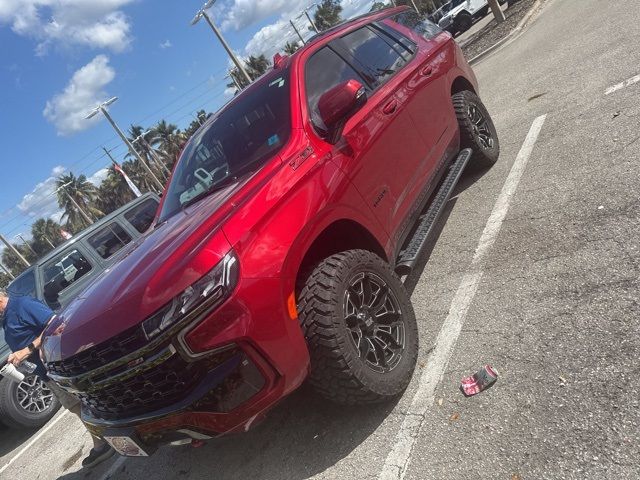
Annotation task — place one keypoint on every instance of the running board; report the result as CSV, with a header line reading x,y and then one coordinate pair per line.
x,y
426,222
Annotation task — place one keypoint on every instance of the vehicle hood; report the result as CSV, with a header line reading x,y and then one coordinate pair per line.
x,y
152,271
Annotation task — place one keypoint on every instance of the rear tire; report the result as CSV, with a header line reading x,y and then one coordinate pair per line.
x,y
477,130
360,328
14,415
463,22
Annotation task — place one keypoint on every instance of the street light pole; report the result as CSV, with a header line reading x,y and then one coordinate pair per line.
x,y
26,244
203,14
101,108
297,31
497,11
14,250
151,151
7,271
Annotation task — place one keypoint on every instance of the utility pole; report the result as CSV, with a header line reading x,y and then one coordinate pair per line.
x,y
7,271
297,32
13,249
75,204
26,244
101,109
497,11
203,14
306,12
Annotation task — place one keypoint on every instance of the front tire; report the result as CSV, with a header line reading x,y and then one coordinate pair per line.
x,y
477,130
360,328
28,404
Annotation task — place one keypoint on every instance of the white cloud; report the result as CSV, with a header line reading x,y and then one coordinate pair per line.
x,y
67,110
166,44
272,37
243,13
42,201
92,23
99,176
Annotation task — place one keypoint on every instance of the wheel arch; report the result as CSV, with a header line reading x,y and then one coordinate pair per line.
x,y
461,84
341,235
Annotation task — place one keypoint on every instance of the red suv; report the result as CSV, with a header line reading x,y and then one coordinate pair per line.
x,y
279,246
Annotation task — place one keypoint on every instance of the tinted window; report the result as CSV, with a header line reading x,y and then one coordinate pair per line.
x,y
377,57
64,270
141,216
109,240
413,21
398,41
325,70
25,284
244,135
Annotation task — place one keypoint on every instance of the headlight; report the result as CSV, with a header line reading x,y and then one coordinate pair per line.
x,y
208,292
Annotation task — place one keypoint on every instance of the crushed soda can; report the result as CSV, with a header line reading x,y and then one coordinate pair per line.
x,y
479,381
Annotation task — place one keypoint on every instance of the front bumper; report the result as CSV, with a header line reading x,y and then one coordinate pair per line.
x,y
214,374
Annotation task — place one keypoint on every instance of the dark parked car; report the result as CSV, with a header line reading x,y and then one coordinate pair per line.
x,y
56,279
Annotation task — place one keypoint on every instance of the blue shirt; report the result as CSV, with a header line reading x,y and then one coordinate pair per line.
x,y
24,320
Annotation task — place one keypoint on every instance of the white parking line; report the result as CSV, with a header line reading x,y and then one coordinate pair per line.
x,y
621,85
34,440
397,462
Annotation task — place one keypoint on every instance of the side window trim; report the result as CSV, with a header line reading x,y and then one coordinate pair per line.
x,y
388,33
358,66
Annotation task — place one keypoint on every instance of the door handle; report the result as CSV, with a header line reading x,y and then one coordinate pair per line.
x,y
426,71
390,107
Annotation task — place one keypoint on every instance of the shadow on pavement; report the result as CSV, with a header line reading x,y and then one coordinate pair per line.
x,y
470,176
12,439
300,438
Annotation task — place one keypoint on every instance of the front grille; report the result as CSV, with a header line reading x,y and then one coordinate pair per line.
x,y
113,349
150,390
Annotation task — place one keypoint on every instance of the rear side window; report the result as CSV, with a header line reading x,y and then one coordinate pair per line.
x,y
415,23
24,285
379,59
325,70
141,216
109,240
63,271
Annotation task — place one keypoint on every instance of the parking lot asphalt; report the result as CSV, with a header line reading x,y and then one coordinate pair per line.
x,y
552,303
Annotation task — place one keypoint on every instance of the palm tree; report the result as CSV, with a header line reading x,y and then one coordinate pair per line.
x,y
83,193
291,47
328,14
257,66
139,138
169,140
46,234
114,192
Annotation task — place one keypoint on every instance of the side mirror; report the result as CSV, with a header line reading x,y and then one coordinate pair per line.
x,y
339,104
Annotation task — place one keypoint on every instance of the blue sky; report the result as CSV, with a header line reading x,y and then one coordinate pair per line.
x,y
61,57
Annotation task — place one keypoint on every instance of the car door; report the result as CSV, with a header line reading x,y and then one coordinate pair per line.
x,y
385,149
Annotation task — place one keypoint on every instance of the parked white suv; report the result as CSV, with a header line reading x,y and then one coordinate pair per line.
x,y
458,15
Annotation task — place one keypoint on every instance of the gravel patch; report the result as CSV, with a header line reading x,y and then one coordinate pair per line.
x,y
494,32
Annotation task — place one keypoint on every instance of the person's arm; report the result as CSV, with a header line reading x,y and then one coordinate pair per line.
x,y
21,355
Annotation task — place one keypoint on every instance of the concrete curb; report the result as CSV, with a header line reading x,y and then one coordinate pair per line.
x,y
510,36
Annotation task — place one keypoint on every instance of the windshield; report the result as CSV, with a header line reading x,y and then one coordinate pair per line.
x,y
244,135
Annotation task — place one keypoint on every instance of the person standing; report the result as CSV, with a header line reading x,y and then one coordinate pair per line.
x,y
24,320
